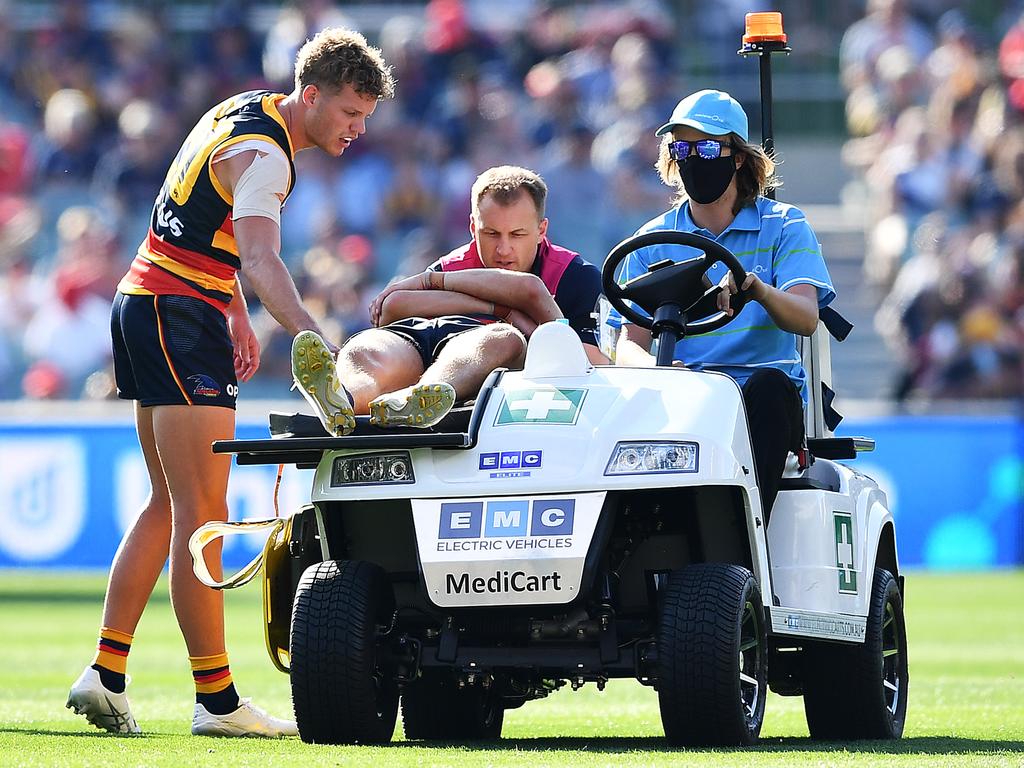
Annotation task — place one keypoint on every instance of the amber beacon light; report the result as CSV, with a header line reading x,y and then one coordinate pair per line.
x,y
763,28
763,36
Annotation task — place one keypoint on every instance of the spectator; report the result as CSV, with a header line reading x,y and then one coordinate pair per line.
x,y
71,152
68,336
474,91
129,172
578,194
887,25
948,171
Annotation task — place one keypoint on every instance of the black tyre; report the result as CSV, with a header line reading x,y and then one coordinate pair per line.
x,y
860,691
342,689
712,656
435,709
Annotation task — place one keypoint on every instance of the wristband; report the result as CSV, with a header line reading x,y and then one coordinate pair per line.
x,y
501,311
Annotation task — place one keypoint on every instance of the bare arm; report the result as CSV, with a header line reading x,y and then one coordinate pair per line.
x,y
259,249
401,304
633,347
243,338
238,305
595,355
794,310
518,290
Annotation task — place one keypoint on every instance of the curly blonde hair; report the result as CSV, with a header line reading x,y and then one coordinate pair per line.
x,y
336,57
753,179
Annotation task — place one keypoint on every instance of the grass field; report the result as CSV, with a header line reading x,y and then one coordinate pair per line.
x,y
966,695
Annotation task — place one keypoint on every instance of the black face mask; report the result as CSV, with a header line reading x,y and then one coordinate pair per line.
x,y
706,180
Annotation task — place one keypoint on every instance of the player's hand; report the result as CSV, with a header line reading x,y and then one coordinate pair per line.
x,y
412,283
522,322
246,346
752,286
377,305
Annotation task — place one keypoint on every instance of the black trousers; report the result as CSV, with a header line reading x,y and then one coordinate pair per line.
x,y
775,412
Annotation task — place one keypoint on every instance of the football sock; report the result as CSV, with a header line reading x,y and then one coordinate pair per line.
x,y
215,689
112,658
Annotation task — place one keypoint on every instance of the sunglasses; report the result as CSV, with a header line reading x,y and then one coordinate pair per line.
x,y
707,149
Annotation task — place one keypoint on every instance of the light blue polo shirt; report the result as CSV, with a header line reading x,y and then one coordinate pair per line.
x,y
774,241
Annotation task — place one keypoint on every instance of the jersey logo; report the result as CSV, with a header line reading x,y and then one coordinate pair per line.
x,y
203,386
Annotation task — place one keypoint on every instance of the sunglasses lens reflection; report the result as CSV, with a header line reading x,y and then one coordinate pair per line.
x,y
706,149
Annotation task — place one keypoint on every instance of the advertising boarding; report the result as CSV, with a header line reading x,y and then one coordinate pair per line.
x,y
69,490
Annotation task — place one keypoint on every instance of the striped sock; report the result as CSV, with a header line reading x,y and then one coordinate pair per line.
x,y
112,658
215,689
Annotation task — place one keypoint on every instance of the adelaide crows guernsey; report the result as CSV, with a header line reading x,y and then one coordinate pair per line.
x,y
190,248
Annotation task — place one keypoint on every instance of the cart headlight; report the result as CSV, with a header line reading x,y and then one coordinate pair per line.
x,y
643,458
373,469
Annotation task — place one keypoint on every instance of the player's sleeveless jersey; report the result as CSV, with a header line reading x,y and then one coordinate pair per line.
x,y
190,248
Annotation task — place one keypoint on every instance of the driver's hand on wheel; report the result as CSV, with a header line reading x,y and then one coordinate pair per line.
x,y
752,286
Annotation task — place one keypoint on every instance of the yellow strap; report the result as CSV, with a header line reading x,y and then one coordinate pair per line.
x,y
277,489
209,532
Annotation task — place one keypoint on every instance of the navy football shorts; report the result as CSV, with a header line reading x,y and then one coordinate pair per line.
x,y
430,336
172,350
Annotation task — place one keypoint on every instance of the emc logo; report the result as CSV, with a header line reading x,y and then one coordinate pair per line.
x,y
511,460
506,517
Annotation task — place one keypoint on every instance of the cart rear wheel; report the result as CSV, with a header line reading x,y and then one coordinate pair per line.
x,y
860,691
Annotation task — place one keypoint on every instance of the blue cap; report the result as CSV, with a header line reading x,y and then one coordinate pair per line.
x,y
712,112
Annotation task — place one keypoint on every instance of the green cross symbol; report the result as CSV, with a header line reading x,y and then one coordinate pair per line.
x,y
844,552
541,406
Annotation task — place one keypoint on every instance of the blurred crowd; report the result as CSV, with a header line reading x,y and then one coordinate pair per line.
x,y
935,111
94,113
99,96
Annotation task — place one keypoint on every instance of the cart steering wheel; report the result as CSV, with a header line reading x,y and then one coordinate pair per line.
x,y
680,286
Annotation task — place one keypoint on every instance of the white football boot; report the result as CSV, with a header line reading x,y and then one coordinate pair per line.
x,y
103,708
316,375
421,406
247,720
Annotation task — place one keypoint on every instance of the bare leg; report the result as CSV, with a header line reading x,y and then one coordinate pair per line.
x,y
188,487
466,360
143,550
197,481
375,362
456,374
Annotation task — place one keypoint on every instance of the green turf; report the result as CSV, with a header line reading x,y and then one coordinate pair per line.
x,y
966,695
